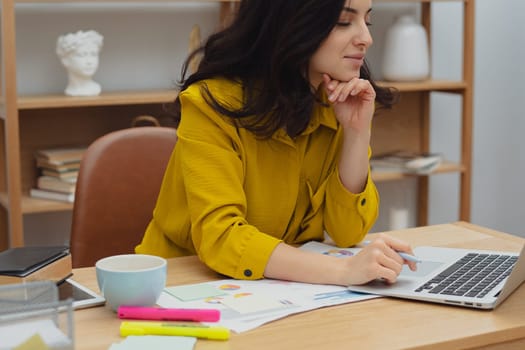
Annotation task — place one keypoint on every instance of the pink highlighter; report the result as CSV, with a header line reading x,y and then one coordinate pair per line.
x,y
168,314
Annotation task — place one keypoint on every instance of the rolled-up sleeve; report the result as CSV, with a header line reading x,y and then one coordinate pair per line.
x,y
349,216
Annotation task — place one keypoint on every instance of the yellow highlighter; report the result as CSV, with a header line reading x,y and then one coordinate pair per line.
x,y
185,329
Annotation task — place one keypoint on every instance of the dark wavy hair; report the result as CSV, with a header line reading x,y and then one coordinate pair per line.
x,y
267,48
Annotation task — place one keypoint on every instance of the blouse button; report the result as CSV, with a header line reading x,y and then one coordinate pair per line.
x,y
247,272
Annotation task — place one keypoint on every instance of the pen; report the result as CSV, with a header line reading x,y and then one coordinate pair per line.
x,y
173,328
405,256
168,314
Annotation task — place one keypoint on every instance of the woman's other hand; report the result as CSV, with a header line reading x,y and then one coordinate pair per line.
x,y
378,260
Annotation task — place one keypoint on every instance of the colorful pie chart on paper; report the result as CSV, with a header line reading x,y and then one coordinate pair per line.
x,y
240,295
338,252
213,300
229,287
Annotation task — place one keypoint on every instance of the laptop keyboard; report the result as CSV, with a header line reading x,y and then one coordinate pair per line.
x,y
474,275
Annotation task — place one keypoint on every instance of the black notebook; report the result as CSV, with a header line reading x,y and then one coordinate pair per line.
x,y
23,261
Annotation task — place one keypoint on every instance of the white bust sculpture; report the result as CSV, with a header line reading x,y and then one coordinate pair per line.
x,y
79,52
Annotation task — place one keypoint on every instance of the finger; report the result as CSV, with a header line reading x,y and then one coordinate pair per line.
x,y
336,93
401,246
362,85
387,274
384,244
397,244
330,83
353,84
394,263
382,256
364,90
412,265
346,90
326,81
394,256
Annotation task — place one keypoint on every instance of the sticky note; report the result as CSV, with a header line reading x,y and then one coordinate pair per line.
x,y
194,291
155,342
18,333
33,343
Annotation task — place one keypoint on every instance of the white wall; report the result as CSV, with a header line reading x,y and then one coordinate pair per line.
x,y
498,199
144,44
144,48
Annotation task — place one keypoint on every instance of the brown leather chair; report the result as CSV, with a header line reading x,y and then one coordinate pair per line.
x,y
117,187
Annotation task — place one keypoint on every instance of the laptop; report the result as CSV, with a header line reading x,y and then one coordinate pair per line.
x,y
464,277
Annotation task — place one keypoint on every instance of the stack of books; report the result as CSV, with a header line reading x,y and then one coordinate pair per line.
x,y
59,171
26,264
406,162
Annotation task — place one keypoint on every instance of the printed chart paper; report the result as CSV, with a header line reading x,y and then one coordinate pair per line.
x,y
245,305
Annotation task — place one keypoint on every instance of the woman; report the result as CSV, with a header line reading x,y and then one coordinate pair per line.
x,y
273,149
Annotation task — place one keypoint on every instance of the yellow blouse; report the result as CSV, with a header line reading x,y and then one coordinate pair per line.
x,y
231,197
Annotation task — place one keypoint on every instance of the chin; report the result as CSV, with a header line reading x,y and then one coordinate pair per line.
x,y
346,76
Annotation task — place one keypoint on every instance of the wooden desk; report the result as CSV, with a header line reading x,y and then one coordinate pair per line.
x,y
373,324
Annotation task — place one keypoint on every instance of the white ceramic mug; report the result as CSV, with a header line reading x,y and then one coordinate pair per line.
x,y
131,279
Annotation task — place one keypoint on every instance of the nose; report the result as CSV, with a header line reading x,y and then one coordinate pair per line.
x,y
363,37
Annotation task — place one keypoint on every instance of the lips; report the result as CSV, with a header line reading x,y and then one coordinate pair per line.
x,y
358,57
356,60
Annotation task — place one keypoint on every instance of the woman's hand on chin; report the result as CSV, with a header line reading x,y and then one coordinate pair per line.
x,y
353,101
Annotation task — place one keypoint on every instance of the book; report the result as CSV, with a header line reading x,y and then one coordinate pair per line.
x,y
56,184
61,155
52,195
24,264
71,174
58,166
406,162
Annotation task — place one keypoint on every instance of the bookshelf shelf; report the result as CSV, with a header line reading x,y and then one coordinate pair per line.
x,y
428,85
105,99
33,205
445,167
163,96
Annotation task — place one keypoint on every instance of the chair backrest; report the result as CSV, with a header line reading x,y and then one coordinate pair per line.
x,y
117,187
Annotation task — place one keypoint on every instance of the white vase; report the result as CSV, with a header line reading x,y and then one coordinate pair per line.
x,y
406,56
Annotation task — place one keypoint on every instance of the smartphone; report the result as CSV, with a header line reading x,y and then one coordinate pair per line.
x,y
82,296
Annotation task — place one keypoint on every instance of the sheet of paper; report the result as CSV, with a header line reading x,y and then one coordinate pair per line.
x,y
245,305
326,249
250,304
253,303
195,291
